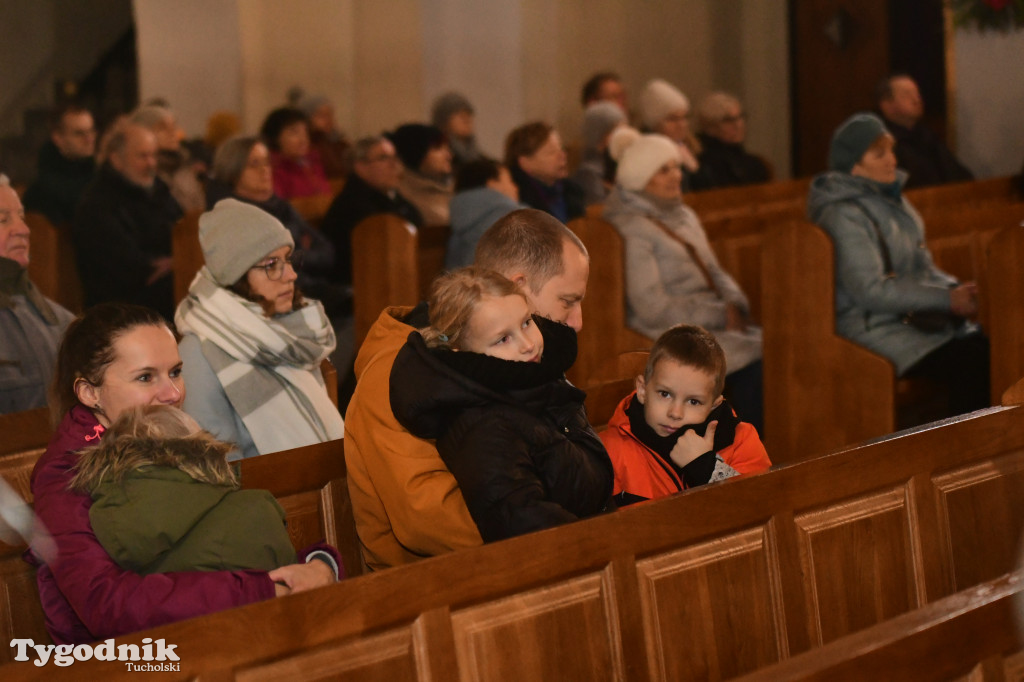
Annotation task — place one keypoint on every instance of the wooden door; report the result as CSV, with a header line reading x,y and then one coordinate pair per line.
x,y
840,50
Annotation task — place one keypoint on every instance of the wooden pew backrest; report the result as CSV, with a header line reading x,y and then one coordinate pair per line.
x,y
187,253
820,390
52,265
971,635
816,551
604,334
385,270
996,190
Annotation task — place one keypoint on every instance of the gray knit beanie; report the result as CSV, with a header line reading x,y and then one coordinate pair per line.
x,y
643,158
235,236
852,139
658,100
599,119
446,106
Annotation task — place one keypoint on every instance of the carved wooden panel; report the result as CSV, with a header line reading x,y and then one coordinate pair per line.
x,y
859,563
981,510
510,639
304,512
383,658
727,591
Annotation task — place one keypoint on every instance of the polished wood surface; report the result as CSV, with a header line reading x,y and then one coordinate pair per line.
x,y
52,266
972,635
186,252
385,269
821,391
604,333
709,584
1002,287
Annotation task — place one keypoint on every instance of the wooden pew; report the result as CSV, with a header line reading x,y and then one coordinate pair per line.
x,y
971,635
725,202
822,391
309,483
186,252
313,208
393,263
1003,291
696,586
52,265
972,192
604,332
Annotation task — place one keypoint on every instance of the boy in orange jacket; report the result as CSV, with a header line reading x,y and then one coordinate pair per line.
x,y
676,430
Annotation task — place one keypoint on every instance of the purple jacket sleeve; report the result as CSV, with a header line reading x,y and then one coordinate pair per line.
x,y
86,596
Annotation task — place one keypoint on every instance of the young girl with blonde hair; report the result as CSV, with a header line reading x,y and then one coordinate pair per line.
x,y
486,380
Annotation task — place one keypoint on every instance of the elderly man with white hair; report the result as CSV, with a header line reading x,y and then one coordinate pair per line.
x,y
31,325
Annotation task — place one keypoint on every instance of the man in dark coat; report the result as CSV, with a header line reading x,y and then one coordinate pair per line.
x,y
122,230
371,188
919,151
66,165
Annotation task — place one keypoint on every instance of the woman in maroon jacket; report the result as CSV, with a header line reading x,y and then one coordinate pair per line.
x,y
114,357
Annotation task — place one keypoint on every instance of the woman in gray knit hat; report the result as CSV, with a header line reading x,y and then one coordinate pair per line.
x,y
252,345
890,296
454,115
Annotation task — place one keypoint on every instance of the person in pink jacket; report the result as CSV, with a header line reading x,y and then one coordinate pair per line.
x,y
114,357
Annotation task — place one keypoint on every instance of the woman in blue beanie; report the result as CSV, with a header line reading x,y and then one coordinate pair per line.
x,y
890,296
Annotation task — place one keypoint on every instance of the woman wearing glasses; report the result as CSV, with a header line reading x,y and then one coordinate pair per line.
x,y
252,345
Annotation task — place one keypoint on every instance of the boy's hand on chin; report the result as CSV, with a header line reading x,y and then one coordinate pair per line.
x,y
690,446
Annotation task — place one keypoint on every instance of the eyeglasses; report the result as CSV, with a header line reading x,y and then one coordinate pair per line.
x,y
742,116
274,267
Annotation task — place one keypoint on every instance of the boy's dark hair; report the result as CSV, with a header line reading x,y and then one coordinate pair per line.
x,y
525,141
689,345
477,174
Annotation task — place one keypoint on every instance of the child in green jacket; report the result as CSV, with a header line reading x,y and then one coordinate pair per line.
x,y
165,499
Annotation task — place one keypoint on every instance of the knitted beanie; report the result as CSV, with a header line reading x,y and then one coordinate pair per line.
x,y
658,100
412,142
642,159
621,138
852,139
447,105
235,236
599,119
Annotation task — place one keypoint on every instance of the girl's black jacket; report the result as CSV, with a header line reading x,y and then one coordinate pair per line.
x,y
514,434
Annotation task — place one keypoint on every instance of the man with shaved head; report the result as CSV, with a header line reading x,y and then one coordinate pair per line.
x,y
122,230
407,504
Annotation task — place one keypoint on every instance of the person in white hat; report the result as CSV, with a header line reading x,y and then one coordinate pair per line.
x,y
672,274
252,344
666,110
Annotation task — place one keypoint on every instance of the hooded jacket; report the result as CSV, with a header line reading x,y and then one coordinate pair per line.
x,y
870,304
85,595
406,503
514,434
643,474
472,213
664,286
153,517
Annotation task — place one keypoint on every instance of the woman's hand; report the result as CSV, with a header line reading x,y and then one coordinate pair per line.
x,y
690,446
302,577
963,300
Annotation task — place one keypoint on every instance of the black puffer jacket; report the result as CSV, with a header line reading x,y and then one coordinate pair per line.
x,y
514,434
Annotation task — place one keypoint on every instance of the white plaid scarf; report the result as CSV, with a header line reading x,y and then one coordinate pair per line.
x,y
269,367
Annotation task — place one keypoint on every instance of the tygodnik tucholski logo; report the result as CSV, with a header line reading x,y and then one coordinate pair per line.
x,y
64,655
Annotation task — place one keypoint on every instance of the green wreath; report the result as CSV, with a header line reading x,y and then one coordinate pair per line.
x,y
1001,15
